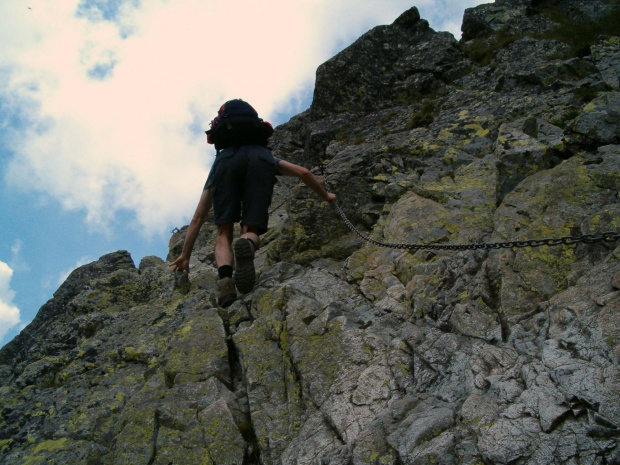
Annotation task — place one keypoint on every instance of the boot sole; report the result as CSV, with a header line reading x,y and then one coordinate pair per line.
x,y
245,275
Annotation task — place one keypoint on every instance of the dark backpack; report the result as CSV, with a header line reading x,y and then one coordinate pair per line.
x,y
237,123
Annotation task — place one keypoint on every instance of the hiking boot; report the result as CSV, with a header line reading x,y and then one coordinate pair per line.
x,y
245,275
228,293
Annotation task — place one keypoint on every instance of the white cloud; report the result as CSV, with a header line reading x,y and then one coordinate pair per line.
x,y
9,313
114,107
17,263
16,247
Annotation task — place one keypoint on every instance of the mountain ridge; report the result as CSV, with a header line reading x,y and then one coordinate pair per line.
x,y
349,353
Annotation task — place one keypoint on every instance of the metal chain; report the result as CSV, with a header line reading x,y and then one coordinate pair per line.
x,y
608,236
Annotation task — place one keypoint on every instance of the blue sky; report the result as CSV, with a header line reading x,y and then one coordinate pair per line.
x,y
103,106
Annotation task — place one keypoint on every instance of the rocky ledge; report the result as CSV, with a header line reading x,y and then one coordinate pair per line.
x,y
350,353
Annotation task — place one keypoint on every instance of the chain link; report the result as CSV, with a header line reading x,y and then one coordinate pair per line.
x,y
608,236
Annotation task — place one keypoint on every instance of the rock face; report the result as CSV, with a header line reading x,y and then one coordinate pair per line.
x,y
348,353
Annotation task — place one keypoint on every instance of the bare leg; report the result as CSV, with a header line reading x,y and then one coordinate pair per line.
x,y
223,245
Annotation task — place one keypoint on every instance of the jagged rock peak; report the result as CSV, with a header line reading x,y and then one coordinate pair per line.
x,y
356,79
409,19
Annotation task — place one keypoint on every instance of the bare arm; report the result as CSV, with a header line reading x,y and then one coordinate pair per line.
x,y
290,169
200,216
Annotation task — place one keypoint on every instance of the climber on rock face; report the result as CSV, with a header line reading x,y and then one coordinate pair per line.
x,y
239,187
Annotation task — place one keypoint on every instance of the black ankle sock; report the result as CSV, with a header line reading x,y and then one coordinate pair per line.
x,y
225,271
251,242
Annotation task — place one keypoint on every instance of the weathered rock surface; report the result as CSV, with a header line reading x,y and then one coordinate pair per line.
x,y
348,353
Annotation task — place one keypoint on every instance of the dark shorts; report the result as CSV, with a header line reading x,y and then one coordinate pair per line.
x,y
241,182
